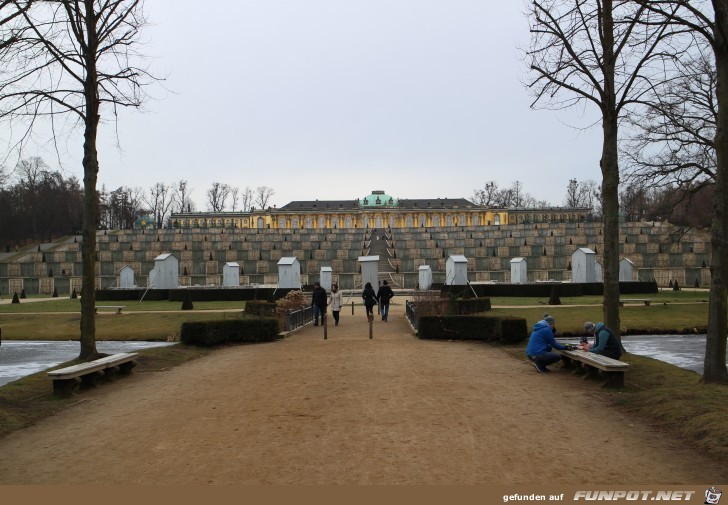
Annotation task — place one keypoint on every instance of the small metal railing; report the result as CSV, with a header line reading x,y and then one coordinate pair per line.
x,y
411,312
298,318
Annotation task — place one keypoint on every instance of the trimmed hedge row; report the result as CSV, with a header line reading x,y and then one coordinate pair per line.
x,y
260,308
506,330
543,289
211,333
196,294
472,306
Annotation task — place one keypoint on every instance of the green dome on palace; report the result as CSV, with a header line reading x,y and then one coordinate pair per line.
x,y
378,199
144,222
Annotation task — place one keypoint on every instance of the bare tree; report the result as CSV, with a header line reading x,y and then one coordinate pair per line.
x,y
246,199
580,194
159,200
518,197
672,138
9,11
596,52
182,199
488,196
708,21
74,59
4,177
120,208
262,196
234,198
217,196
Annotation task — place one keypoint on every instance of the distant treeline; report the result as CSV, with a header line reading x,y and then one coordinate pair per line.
x,y
40,206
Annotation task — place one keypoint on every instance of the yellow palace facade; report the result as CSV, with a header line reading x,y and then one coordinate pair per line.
x,y
376,210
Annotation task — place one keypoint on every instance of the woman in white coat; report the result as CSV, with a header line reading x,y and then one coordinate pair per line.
x,y
335,303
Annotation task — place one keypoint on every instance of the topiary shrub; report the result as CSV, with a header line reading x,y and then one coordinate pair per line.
x,y
506,330
212,333
554,297
472,306
512,330
187,302
260,308
15,298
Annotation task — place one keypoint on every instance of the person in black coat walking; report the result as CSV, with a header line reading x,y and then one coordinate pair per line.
x,y
318,302
370,299
385,294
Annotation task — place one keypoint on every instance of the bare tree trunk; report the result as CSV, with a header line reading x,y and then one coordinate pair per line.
x,y
610,175
90,175
715,345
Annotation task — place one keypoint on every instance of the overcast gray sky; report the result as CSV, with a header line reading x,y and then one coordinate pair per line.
x,y
330,99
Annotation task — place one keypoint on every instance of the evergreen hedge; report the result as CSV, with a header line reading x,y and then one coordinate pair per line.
x,y
260,308
212,333
506,330
543,289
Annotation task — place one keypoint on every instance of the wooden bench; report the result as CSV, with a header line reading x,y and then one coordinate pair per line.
x,y
110,307
646,301
593,365
66,379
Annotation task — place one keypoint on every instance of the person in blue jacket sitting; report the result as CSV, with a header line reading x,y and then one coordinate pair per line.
x,y
541,342
605,341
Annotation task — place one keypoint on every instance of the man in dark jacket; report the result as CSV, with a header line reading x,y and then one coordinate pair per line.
x,y
605,341
318,302
384,294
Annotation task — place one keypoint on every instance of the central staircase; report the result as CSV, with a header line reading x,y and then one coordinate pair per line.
x,y
379,245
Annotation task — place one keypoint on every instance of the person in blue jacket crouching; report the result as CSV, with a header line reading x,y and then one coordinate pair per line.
x,y
541,342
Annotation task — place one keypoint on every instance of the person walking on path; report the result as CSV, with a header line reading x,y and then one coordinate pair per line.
x,y
605,342
370,299
318,301
384,295
335,302
541,342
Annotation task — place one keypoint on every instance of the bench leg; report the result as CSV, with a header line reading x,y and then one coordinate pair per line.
x,y
591,372
125,368
64,387
89,380
614,379
118,311
567,362
647,304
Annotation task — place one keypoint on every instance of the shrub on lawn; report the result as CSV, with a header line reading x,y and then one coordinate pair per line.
x,y
260,308
211,333
506,330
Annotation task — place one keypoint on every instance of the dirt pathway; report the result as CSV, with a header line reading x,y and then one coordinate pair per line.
x,y
348,410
